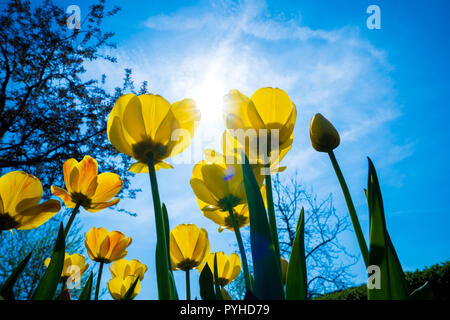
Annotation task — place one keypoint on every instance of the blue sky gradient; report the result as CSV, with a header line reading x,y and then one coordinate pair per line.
x,y
386,91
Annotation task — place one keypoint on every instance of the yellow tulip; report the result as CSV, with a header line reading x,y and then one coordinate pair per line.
x,y
123,268
104,246
20,194
145,128
189,246
324,136
284,267
241,213
228,268
217,185
118,287
267,110
86,187
74,265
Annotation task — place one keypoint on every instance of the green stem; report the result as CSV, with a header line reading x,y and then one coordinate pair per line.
x,y
351,209
272,218
99,277
72,217
188,286
162,252
248,282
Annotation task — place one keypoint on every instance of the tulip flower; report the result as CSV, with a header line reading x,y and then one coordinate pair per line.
x,y
123,268
149,129
74,266
20,194
284,267
118,287
219,188
228,267
223,219
143,127
105,247
270,112
189,246
217,184
324,136
86,188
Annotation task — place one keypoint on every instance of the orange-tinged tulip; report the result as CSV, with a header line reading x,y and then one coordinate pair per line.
x,y
104,246
85,186
118,287
228,267
189,246
20,194
123,268
74,265
267,110
148,127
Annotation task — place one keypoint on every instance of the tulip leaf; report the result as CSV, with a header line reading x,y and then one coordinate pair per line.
x,y
216,280
206,282
296,277
249,295
423,293
393,285
129,294
268,282
87,290
6,290
49,282
172,284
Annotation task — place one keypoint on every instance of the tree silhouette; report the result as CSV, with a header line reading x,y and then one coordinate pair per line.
x,y
50,110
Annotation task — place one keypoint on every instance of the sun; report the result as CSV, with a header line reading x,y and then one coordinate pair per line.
x,y
208,95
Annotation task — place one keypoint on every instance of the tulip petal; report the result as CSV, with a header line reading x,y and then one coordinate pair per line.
x,y
203,193
154,110
118,137
273,105
19,191
108,185
68,165
35,216
63,195
133,120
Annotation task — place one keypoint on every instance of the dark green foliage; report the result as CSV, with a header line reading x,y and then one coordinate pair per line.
x,y
437,275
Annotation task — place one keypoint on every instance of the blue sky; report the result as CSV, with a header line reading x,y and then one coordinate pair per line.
x,y
386,91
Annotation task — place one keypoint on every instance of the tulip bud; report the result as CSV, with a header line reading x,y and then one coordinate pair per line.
x,y
324,136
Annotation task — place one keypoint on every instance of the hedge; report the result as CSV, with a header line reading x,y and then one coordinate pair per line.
x,y
437,275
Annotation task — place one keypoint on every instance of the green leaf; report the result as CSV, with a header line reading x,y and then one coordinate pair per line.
x,y
6,290
393,285
87,290
172,284
206,282
296,281
216,280
267,281
129,294
423,293
165,291
49,282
